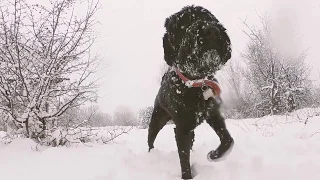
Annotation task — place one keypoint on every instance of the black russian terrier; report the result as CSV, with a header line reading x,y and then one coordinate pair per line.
x,y
195,45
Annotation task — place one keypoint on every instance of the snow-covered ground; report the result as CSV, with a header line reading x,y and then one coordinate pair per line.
x,y
269,148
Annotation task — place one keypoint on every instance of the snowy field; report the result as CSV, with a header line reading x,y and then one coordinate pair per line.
x,y
269,148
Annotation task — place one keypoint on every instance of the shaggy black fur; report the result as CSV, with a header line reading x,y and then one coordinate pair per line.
x,y
197,44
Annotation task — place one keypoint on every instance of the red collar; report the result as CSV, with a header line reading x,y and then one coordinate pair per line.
x,y
200,83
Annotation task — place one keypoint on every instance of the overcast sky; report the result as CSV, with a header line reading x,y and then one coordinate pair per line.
x,y
132,30
130,40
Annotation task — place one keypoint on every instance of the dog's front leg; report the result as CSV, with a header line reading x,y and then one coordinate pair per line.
x,y
217,122
183,144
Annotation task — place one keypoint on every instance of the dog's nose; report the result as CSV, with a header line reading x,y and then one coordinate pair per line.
x,y
212,32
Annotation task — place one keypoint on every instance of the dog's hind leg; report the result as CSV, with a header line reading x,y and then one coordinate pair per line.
x,y
159,118
183,144
217,122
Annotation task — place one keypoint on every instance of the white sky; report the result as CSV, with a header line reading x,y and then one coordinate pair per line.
x,y
131,40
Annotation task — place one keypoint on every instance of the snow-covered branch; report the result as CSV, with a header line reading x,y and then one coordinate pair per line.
x,y
45,61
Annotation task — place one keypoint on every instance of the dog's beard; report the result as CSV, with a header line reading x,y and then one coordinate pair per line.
x,y
210,61
205,65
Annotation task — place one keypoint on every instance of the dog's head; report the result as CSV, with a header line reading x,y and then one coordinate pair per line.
x,y
195,42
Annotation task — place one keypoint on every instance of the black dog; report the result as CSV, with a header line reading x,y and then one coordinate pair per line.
x,y
195,46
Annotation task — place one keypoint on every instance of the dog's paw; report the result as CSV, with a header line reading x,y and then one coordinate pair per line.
x,y
220,153
186,177
150,148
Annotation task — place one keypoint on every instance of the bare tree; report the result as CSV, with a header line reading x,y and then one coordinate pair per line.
x,y
95,117
316,92
145,116
87,116
45,61
281,83
296,85
3,121
237,106
123,116
235,78
263,64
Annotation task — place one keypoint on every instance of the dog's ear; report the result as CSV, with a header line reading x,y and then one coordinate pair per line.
x,y
226,49
168,50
